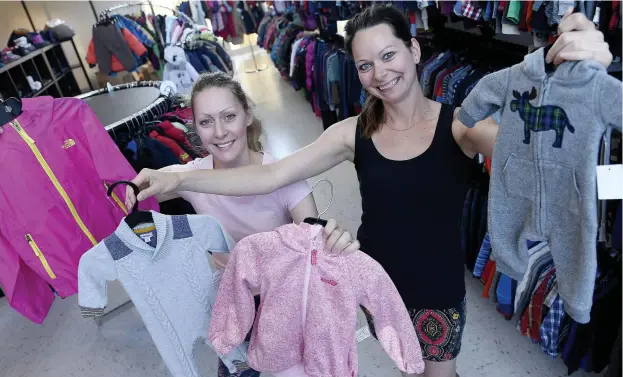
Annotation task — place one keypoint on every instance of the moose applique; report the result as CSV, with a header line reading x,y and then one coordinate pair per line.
x,y
540,118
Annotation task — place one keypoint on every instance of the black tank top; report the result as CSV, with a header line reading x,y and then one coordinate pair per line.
x,y
412,213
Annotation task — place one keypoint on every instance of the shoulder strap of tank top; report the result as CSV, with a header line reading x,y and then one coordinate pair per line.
x,y
445,138
446,116
362,144
359,138
443,134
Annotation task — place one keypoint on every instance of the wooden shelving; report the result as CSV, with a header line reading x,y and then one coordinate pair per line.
x,y
48,65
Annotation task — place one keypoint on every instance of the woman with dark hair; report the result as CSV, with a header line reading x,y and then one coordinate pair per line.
x,y
412,158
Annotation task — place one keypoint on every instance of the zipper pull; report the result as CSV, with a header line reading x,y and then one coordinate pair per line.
x,y
18,127
313,257
30,242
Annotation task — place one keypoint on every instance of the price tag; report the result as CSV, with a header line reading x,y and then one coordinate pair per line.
x,y
610,182
363,334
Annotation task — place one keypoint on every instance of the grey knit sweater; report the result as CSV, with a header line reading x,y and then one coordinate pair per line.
x,y
169,278
543,177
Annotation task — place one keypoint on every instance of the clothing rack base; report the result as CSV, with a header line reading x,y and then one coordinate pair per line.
x,y
113,313
256,69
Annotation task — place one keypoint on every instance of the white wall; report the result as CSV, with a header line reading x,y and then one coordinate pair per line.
x,y
78,14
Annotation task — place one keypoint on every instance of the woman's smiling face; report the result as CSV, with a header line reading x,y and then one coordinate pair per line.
x,y
221,122
386,66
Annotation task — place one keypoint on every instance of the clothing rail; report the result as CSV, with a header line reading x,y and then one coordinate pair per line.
x,y
135,84
150,113
176,12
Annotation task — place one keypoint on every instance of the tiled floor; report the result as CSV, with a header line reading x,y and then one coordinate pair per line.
x,y
67,345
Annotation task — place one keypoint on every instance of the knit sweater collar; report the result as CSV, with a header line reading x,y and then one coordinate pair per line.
x,y
132,240
570,73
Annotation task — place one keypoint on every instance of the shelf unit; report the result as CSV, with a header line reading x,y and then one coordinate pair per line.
x,y
49,65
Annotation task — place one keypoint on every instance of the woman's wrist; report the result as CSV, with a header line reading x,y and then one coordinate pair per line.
x,y
180,179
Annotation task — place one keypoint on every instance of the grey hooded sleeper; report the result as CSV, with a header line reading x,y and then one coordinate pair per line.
x,y
543,176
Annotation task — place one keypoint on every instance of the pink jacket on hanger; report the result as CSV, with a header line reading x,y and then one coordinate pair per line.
x,y
308,310
57,161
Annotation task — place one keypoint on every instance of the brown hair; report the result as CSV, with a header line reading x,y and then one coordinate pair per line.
x,y
222,80
373,113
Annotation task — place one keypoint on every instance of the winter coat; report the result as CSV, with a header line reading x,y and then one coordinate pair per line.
x,y
53,203
135,45
309,302
171,144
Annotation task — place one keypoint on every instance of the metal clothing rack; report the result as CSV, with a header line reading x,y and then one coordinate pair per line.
x,y
177,13
148,114
257,69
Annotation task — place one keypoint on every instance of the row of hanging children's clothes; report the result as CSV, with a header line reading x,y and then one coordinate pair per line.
x,y
120,43
190,50
282,28
123,43
538,311
534,304
230,19
448,80
314,63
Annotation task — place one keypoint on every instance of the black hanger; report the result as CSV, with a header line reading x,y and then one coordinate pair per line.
x,y
135,217
9,110
318,220
314,221
549,67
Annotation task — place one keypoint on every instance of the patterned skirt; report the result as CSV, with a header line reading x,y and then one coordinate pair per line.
x,y
439,330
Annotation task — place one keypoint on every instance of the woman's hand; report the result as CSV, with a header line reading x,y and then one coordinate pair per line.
x,y
579,40
338,240
151,182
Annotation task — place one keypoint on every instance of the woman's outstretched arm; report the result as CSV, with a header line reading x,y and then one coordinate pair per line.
x,y
334,146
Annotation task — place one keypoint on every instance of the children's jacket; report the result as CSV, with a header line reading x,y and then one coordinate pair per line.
x,y
308,308
58,161
168,276
115,65
543,173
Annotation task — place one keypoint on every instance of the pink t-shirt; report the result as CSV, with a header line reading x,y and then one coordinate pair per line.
x,y
242,216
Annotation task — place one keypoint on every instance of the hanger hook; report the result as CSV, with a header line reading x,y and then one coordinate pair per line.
x,y
134,188
330,199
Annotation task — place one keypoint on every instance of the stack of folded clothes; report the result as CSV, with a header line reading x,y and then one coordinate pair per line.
x,y
23,47
7,55
26,41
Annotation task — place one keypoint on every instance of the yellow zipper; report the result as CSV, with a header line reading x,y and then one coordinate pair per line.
x,y
117,200
40,255
31,143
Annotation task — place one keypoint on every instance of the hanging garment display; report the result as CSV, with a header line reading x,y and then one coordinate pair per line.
x,y
167,274
543,175
110,47
53,203
308,323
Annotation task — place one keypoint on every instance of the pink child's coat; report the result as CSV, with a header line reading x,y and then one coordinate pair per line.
x,y
308,311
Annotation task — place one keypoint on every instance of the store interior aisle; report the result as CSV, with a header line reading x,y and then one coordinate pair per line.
x,y
67,345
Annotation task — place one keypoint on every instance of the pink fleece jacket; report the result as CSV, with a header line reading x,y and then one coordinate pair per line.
x,y
308,309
